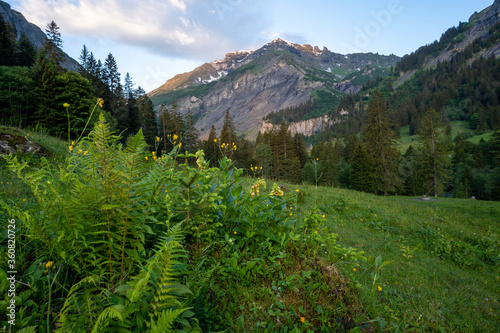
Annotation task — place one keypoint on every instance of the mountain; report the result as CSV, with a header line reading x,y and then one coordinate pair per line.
x,y
35,35
279,75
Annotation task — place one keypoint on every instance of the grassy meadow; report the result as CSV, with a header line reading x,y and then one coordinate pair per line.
x,y
342,261
444,273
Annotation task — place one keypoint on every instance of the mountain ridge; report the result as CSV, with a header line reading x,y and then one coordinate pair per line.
x,y
251,84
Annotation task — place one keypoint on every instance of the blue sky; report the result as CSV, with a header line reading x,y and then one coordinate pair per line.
x,y
157,39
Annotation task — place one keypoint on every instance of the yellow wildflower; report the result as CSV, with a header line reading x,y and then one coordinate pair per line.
x,y
146,158
49,264
379,288
79,151
302,319
158,139
354,269
235,232
100,102
70,148
175,137
66,105
85,153
297,190
323,216
215,140
180,144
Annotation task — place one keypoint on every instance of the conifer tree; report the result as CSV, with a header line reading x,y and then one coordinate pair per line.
x,y
380,143
211,148
433,151
361,176
146,117
190,141
26,52
44,76
7,44
228,131
53,44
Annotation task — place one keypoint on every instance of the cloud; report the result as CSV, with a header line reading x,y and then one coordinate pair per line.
x,y
192,29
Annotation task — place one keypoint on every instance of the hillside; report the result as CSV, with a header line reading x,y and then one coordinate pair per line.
x,y
35,35
252,84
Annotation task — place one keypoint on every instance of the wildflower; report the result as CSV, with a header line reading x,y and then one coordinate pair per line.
x,y
180,145
323,216
297,190
79,151
66,105
379,288
175,137
85,153
100,102
354,269
316,231
146,158
215,140
276,190
291,214
70,148
158,139
302,319
235,232
261,168
49,264
24,200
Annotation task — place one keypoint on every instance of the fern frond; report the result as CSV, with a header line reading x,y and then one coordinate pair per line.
x,y
111,312
166,320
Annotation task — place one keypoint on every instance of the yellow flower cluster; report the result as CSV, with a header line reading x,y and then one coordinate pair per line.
x,y
226,145
255,187
100,102
66,105
71,145
255,168
276,190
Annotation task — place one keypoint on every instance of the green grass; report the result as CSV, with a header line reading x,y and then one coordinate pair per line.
x,y
445,270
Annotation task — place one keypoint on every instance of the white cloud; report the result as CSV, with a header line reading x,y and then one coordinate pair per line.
x,y
194,29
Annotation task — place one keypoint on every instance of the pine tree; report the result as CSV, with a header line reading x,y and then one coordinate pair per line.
x,y
228,131
53,44
190,140
7,44
111,75
26,52
147,117
380,143
433,151
361,176
44,76
211,148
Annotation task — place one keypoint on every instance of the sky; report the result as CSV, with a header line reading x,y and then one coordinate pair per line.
x,y
156,39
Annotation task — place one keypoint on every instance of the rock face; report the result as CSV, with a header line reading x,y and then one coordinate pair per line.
x,y
306,127
11,143
252,84
35,35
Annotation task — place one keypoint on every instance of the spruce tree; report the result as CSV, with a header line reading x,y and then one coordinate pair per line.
x,y
433,152
361,176
228,131
53,44
380,141
211,148
44,76
7,44
26,52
